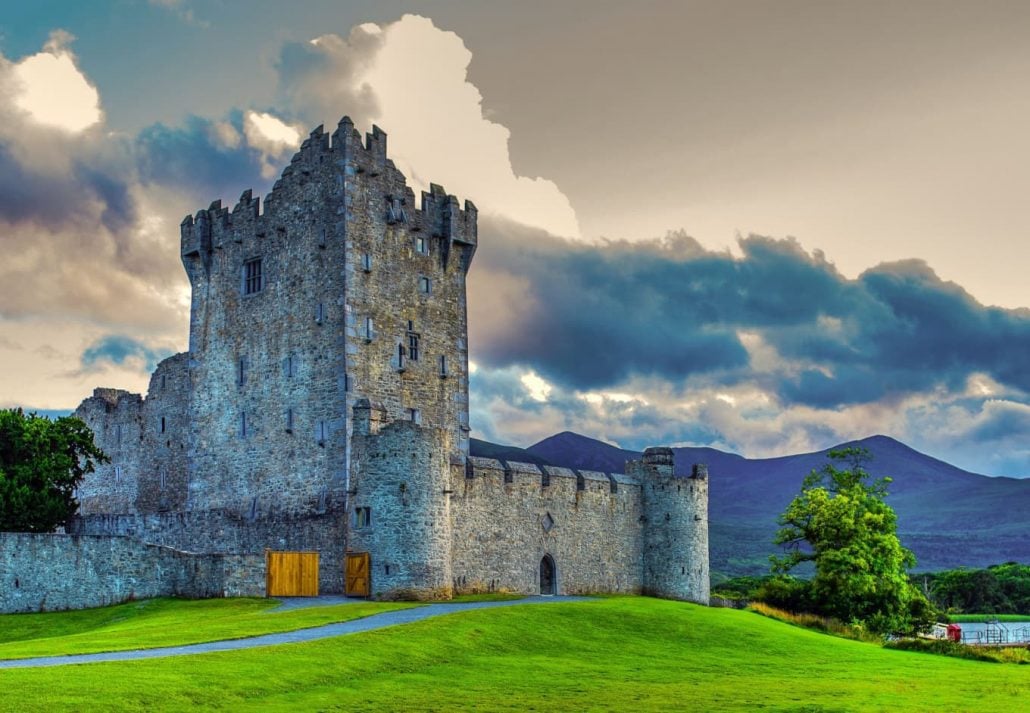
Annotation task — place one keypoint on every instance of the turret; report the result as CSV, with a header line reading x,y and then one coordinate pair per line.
x,y
675,510
399,506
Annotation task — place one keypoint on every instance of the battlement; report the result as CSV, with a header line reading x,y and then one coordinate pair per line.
x,y
549,476
350,160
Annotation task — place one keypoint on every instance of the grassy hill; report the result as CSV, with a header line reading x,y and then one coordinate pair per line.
x,y
611,654
947,516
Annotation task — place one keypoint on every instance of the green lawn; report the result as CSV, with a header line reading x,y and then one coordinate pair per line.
x,y
162,622
611,654
980,618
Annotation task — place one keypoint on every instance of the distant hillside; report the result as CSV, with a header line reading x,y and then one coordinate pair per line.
x,y
947,516
485,449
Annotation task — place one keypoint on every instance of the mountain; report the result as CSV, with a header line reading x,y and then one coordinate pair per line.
x,y
486,449
948,516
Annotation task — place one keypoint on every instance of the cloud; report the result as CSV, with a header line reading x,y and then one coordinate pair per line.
x,y
272,137
121,350
411,78
51,89
593,317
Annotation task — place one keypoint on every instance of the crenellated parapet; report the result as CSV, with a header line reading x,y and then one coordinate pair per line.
x,y
349,160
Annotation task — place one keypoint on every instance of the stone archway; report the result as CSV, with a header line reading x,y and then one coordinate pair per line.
x,y
548,576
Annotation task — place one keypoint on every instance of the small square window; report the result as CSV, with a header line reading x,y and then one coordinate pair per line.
x,y
425,285
422,245
362,517
414,415
253,278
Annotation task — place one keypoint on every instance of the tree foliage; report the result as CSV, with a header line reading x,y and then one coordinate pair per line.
x,y
999,589
841,524
41,463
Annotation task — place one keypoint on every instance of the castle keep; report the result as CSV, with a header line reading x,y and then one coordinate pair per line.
x,y
323,406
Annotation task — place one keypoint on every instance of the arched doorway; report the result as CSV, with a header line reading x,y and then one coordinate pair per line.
x,y
548,580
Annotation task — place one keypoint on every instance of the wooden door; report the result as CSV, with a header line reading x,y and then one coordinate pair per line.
x,y
291,574
356,575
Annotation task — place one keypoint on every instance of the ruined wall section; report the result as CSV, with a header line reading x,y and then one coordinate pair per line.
x,y
162,473
399,510
507,516
115,417
407,327
267,364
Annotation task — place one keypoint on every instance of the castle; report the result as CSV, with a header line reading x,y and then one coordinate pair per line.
x,y
323,406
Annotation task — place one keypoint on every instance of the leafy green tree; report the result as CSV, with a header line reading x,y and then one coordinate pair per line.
x,y
41,463
841,524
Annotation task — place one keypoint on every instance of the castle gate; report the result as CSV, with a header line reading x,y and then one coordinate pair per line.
x,y
355,575
291,574
547,578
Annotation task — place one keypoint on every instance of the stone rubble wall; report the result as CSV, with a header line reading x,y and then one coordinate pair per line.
x,y
502,530
222,532
42,572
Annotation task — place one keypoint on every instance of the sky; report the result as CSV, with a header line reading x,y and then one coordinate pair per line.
x,y
763,227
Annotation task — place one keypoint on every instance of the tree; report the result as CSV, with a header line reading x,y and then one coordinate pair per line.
x,y
841,523
41,463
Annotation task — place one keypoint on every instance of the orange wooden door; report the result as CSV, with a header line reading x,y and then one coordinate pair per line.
x,y
291,574
356,575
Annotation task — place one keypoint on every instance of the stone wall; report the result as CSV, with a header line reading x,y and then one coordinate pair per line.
x,y
227,532
506,517
116,419
57,572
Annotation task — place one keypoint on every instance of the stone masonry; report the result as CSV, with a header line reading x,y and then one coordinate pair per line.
x,y
323,405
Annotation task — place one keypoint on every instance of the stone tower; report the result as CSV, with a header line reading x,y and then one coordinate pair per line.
x,y
675,537
399,507
338,288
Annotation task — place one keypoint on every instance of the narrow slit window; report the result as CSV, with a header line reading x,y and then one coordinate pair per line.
x,y
370,331
362,517
425,285
243,425
366,262
319,313
443,365
400,357
422,245
321,238
117,473
162,424
321,433
253,277
289,420
241,371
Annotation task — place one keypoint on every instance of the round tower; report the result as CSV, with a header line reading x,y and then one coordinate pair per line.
x,y
675,538
399,507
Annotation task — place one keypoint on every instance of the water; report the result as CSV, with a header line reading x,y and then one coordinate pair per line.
x,y
1016,631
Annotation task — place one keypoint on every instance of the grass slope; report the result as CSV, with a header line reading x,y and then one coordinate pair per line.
x,y
611,654
162,622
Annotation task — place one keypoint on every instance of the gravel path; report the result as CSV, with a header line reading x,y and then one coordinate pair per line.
x,y
377,621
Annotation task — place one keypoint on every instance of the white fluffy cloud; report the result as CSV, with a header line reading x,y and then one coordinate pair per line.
x,y
51,89
272,136
411,78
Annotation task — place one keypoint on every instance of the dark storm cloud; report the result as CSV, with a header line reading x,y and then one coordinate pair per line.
x,y
192,157
117,349
591,316
34,195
